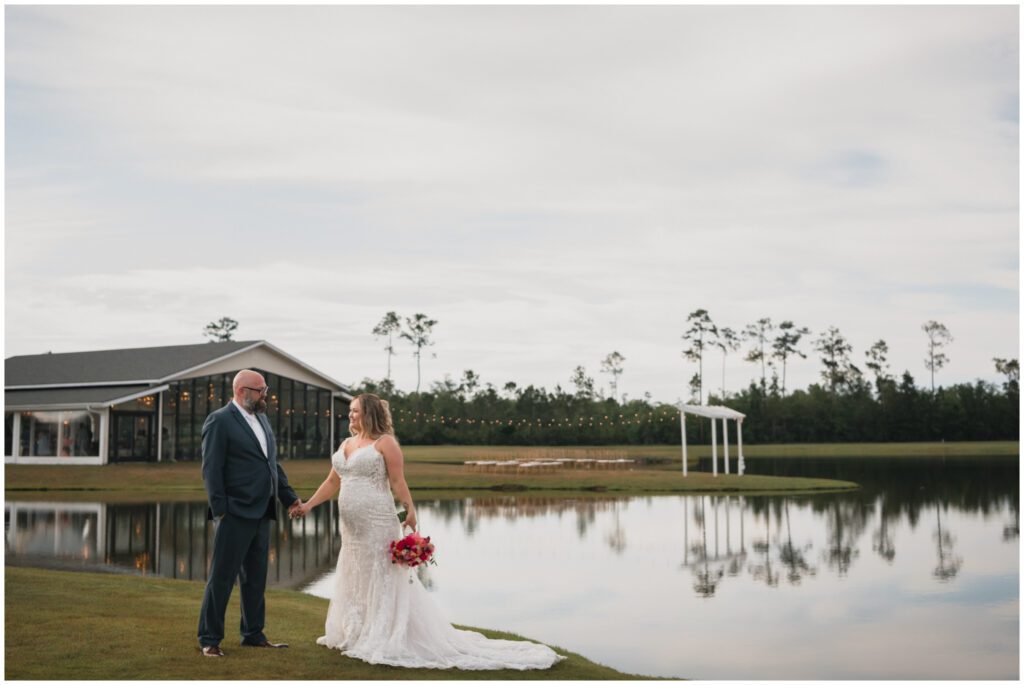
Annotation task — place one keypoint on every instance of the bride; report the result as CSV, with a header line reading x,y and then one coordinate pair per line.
x,y
379,611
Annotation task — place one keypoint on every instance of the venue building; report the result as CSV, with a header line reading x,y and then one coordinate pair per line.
x,y
149,404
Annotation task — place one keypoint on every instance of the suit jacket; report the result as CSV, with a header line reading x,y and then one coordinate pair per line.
x,y
239,479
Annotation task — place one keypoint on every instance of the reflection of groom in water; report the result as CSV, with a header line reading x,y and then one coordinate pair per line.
x,y
243,480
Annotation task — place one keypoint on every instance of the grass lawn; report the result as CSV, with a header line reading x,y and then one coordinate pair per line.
x,y
437,471
91,626
184,481
460,453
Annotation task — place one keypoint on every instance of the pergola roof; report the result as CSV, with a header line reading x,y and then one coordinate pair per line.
x,y
711,411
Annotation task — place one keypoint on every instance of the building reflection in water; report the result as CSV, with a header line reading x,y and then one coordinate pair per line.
x,y
172,540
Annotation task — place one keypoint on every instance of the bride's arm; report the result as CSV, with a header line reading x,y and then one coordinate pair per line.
x,y
395,462
327,490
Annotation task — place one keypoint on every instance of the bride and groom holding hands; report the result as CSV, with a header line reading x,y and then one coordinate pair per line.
x,y
379,611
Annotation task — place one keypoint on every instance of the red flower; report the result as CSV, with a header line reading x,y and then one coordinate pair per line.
x,y
412,550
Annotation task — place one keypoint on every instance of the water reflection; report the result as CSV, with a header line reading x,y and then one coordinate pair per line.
x,y
173,539
949,563
914,576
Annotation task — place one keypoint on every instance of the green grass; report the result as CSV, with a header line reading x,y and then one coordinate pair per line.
x,y
437,470
90,626
183,480
1001,448
460,453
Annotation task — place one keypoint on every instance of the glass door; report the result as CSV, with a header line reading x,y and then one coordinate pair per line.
x,y
132,437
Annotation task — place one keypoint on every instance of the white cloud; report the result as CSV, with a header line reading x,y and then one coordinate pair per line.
x,y
549,183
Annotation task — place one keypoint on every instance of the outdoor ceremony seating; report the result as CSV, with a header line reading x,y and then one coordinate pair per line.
x,y
547,465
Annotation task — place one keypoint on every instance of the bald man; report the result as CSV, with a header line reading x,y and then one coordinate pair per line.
x,y
243,481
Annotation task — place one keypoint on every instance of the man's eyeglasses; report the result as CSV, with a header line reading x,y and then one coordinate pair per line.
x,y
263,391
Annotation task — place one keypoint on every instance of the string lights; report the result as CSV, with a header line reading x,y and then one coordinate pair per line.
x,y
410,416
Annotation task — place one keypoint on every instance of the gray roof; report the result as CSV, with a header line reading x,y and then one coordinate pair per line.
x,y
61,397
129,366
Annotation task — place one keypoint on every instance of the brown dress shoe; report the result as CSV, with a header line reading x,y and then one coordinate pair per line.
x,y
212,650
266,643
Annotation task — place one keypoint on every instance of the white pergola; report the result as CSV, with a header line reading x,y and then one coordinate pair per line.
x,y
714,413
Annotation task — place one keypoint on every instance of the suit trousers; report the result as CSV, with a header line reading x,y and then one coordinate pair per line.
x,y
240,548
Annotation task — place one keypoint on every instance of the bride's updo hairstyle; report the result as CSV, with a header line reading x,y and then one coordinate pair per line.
x,y
376,416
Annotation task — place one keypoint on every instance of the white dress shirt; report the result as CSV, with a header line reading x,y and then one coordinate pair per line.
x,y
255,425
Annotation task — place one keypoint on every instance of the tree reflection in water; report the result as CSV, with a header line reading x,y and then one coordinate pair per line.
x,y
793,556
1011,531
949,563
736,560
616,537
706,578
881,539
763,569
175,539
776,555
844,523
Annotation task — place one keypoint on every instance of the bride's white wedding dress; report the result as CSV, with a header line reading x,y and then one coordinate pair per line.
x,y
375,613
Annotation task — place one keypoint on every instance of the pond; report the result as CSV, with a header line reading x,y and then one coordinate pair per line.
x,y
916,575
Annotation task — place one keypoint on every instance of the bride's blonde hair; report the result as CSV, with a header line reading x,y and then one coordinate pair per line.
x,y
376,416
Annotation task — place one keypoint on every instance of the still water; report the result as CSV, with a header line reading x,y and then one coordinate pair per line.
x,y
916,575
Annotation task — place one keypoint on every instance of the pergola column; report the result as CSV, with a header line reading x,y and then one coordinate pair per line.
x,y
714,447
682,427
740,467
725,443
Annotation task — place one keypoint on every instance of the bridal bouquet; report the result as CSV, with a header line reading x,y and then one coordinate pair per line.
x,y
413,550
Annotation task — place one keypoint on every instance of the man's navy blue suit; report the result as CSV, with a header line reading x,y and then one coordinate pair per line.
x,y
243,485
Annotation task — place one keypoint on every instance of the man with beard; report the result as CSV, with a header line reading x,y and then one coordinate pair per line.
x,y
243,480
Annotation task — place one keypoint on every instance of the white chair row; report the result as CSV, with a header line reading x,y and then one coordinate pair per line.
x,y
549,464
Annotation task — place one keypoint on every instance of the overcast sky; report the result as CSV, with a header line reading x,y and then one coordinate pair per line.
x,y
549,183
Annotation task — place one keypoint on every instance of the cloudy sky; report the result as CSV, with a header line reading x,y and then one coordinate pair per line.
x,y
549,183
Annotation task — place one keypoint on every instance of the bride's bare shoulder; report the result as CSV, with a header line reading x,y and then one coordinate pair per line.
x,y
387,440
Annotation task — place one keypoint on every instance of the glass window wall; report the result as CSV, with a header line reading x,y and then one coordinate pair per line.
x,y
169,405
311,416
185,449
147,403
323,423
299,415
340,422
60,433
8,433
274,404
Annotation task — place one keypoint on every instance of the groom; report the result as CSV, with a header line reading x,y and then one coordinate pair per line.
x,y
243,480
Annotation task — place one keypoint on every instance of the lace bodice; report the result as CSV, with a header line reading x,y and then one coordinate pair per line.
x,y
364,462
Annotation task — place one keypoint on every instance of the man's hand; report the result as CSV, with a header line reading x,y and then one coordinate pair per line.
x,y
296,510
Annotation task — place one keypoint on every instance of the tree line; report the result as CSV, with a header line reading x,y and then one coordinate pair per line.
x,y
846,406
771,347
897,411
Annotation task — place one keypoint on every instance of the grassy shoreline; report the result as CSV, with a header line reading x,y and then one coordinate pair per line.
x,y
149,633
183,480
437,471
